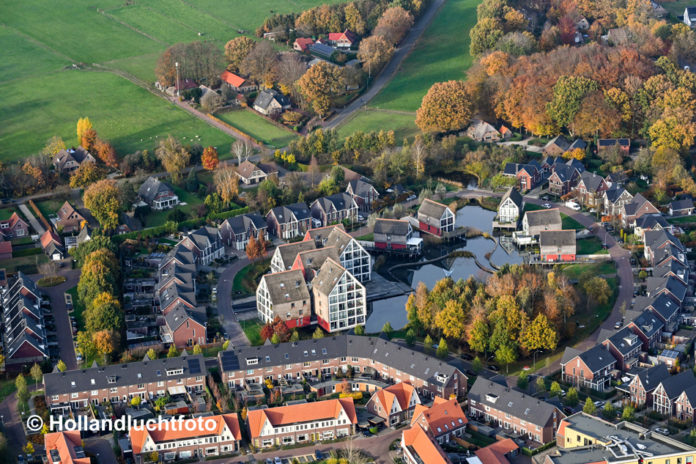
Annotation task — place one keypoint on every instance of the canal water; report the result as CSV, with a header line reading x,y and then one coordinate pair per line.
x,y
393,309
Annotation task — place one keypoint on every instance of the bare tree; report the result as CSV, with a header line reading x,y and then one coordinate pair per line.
x,y
242,150
290,68
419,152
260,62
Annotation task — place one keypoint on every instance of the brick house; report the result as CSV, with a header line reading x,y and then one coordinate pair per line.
x,y
562,179
395,403
65,448
684,405
666,309
622,145
14,227
323,358
334,209
435,218
667,392
284,295
119,383
648,328
364,194
237,82
528,175
625,346
635,209
184,327
443,420
302,423
615,197
645,382
289,221
590,369
590,189
67,161
514,411
557,245
206,245
195,438
236,231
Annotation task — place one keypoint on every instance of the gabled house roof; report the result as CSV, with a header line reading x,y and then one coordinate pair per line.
x,y
360,188
49,237
304,42
624,341
345,35
180,314
564,172
607,143
657,238
212,426
285,214
614,193
65,447
674,385
559,142
289,251
391,226
544,217
648,323
298,413
556,238
576,164
286,286
591,181
479,128
242,223
651,377
652,221
328,276
338,201
204,237
596,358
638,205
265,97
400,393
321,234
666,286
151,188
514,195
67,210
683,204
313,260
423,447
233,79
495,453
441,418
321,49
432,209
247,168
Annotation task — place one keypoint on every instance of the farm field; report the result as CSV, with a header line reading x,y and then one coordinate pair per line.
x,y
403,125
126,36
256,126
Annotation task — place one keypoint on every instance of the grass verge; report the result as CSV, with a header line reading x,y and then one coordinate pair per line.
x,y
246,280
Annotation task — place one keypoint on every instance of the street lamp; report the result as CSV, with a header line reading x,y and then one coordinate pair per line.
x,y
176,65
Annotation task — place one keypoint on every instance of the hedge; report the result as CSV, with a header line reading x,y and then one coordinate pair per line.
x,y
26,252
529,452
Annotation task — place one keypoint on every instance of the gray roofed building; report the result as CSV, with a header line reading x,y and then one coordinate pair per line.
x,y
648,327
270,101
557,145
481,131
284,255
70,159
117,375
328,276
669,285
312,260
675,384
592,181
391,227
651,222
557,245
334,208
363,193
596,358
237,230
534,222
289,221
651,377
286,286
614,193
178,316
157,194
672,267
321,234
321,50
250,173
682,207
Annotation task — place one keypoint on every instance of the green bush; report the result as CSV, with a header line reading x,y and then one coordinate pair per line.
x,y
26,252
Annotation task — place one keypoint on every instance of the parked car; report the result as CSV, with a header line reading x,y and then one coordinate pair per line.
x,y
494,368
662,430
617,326
572,205
546,205
269,461
318,455
411,198
277,460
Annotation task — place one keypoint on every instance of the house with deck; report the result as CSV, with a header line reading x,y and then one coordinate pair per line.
x,y
435,218
157,194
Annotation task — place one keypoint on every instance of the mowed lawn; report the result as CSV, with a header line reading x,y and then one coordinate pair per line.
x,y
441,54
403,125
131,118
250,123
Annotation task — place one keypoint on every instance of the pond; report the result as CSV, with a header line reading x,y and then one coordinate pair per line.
x,y
392,309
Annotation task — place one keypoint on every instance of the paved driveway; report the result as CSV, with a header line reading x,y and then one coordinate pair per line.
x,y
60,315
224,303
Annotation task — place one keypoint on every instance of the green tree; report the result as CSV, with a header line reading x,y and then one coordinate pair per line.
x,y
173,156
428,344
479,335
485,35
172,353
151,353
359,330
523,381
103,200
22,390
568,94
608,411
555,389
572,398
135,401
476,365
627,413
197,349
387,329
506,354
104,313
589,407
36,373
540,384
597,291
275,339
410,337
318,333
97,242
61,366
442,350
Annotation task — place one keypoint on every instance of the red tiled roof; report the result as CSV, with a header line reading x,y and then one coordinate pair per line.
x,y
401,392
422,445
48,237
304,42
336,36
139,434
284,415
495,453
65,443
232,79
442,417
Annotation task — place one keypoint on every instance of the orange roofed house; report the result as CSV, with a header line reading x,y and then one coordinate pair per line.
x,y
443,420
498,452
419,448
65,448
190,438
237,83
302,423
395,404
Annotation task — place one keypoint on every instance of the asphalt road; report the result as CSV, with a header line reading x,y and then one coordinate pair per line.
x,y
61,317
390,69
224,303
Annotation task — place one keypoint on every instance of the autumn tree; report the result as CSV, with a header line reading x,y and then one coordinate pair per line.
x,y
393,25
103,200
446,107
597,291
173,352
354,19
236,50
320,84
253,249
374,52
61,366
318,333
54,145
104,313
151,354
105,343
36,373
226,183
539,335
442,351
83,125
485,35
198,61
260,63
86,174
209,158
479,334
89,139
568,94
173,156
106,153
451,320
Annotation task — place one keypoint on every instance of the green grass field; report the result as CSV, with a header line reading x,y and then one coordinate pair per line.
x,y
256,126
403,125
590,246
42,98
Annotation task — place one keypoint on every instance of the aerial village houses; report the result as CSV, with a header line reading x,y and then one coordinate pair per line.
x,y
533,222
644,384
590,189
237,230
667,392
67,161
684,405
270,102
625,346
52,245
298,423
623,145
157,195
205,244
310,261
562,179
443,420
334,208
682,207
435,218
24,338
289,221
301,44
322,358
364,194
635,209
249,173
396,235
194,439
648,328
590,369
395,403
237,83
284,255
352,254
514,411
69,219
511,206
559,145
14,227
284,295
528,175
614,200
419,448
184,327
121,382
339,298
557,245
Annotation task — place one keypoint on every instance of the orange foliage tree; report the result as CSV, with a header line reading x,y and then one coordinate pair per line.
x,y
209,158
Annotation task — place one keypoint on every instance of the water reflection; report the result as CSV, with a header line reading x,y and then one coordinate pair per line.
x,y
392,309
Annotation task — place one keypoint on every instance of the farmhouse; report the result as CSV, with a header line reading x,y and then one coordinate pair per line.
x,y
271,102
237,83
435,218
287,425
514,411
69,219
557,245
301,44
481,131
67,161
157,195
249,173
344,39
